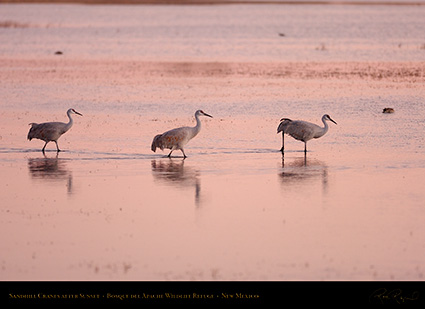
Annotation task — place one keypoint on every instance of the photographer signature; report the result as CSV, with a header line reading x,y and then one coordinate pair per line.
x,y
384,296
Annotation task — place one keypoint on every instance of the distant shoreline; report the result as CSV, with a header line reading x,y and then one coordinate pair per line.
x,y
220,2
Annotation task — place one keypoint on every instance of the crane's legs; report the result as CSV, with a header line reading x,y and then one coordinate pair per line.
x,y
44,147
305,147
283,143
57,147
184,155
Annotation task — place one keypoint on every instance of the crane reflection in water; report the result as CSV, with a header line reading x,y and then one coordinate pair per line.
x,y
174,172
51,169
301,170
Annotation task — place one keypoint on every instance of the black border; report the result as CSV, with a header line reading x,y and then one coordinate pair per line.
x,y
151,293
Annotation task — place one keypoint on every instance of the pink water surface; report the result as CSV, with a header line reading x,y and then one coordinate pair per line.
x,y
108,208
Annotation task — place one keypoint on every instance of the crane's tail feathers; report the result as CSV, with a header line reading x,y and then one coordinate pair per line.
x,y
280,128
156,142
30,135
31,131
284,122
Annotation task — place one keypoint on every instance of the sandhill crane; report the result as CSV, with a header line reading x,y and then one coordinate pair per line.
x,y
179,137
51,131
302,130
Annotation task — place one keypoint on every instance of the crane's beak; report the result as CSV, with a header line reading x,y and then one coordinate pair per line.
x,y
332,120
205,114
78,113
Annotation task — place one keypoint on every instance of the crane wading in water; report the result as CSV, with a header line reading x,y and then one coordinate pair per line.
x,y
179,137
302,130
51,131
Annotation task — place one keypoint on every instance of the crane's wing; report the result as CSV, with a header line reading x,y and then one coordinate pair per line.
x,y
300,130
47,130
170,139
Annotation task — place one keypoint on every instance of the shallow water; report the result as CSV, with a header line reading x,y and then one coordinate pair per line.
x,y
233,210
108,208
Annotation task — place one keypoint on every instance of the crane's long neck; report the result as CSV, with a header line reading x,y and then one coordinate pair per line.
x,y
70,122
324,129
197,128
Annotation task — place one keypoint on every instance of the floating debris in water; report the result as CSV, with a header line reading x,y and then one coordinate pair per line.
x,y
388,110
58,53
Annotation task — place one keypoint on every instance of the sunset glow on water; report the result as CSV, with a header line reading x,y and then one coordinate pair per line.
x,y
108,208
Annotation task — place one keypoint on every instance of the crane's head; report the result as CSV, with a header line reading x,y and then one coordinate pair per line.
x,y
327,117
201,113
73,111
